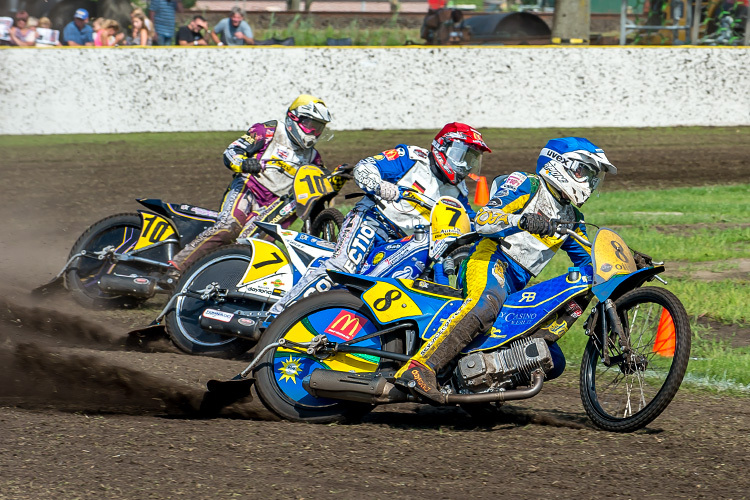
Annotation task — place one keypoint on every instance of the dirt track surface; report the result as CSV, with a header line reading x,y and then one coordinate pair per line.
x,y
84,415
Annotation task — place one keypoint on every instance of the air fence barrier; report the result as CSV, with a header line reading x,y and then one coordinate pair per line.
x,y
89,90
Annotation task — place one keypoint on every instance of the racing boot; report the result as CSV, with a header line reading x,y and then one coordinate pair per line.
x,y
473,317
171,276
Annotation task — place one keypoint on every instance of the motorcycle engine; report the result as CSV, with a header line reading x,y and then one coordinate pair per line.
x,y
505,368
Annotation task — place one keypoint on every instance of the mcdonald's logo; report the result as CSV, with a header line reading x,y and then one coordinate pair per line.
x,y
346,325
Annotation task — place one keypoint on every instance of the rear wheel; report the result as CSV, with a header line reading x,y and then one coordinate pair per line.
x,y
280,372
327,225
226,267
120,231
635,389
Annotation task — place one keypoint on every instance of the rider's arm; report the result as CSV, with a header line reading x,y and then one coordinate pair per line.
x,y
371,172
579,254
253,142
502,213
463,197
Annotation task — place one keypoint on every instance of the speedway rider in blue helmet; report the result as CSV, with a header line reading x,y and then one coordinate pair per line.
x,y
568,170
456,150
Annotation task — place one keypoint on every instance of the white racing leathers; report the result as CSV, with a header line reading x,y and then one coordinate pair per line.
x,y
518,194
368,224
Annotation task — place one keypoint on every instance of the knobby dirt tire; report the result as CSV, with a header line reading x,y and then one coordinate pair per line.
x,y
84,289
642,302
225,266
269,391
327,225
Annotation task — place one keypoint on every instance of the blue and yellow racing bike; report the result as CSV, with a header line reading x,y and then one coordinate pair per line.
x,y
332,357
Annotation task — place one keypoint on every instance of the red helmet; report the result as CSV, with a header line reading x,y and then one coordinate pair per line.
x,y
457,149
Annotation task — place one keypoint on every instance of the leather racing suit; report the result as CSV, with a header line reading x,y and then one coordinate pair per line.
x,y
492,272
249,195
369,225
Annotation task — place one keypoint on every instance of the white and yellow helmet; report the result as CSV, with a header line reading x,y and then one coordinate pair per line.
x,y
306,119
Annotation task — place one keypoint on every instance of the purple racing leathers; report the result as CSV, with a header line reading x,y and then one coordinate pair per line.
x,y
249,195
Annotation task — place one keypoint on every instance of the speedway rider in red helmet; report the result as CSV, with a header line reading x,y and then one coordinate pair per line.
x,y
519,211
264,162
456,150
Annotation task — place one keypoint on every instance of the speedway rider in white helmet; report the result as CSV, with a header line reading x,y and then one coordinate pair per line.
x,y
519,211
264,162
456,150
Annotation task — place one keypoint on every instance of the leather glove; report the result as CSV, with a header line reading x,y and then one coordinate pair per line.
x,y
536,224
388,191
642,260
337,182
251,166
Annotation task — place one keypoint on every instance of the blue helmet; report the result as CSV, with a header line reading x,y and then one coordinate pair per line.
x,y
574,166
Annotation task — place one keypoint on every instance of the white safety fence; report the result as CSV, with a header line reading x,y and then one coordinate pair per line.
x,y
60,91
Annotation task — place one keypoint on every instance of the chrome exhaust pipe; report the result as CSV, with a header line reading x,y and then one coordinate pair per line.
x,y
360,387
537,379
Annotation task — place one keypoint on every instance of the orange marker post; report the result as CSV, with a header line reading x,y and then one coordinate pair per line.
x,y
665,335
482,194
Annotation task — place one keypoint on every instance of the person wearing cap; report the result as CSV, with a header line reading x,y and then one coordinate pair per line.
x,y
384,215
78,32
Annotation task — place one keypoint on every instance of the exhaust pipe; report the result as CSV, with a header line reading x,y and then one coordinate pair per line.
x,y
537,379
132,285
229,322
375,389
360,387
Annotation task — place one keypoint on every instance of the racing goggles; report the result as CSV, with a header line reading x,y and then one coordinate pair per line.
x,y
464,156
585,172
308,125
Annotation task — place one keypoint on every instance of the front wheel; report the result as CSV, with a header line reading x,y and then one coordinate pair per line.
x,y
226,267
340,316
636,388
327,225
120,231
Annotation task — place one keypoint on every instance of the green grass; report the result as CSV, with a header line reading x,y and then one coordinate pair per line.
x,y
301,28
674,206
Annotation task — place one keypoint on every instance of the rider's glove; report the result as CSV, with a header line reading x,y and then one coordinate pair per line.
x,y
642,260
536,224
251,166
337,182
388,191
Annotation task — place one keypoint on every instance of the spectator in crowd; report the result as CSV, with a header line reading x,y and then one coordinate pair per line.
x,y
21,34
50,39
149,25
78,32
97,24
195,33
233,30
163,16
140,35
109,35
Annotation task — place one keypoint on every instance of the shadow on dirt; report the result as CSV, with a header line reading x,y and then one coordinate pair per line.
x,y
430,417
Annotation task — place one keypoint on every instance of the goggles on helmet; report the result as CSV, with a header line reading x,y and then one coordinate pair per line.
x,y
312,126
585,172
463,156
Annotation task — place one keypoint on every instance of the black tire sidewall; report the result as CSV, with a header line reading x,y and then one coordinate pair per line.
x,y
236,346
326,215
71,276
